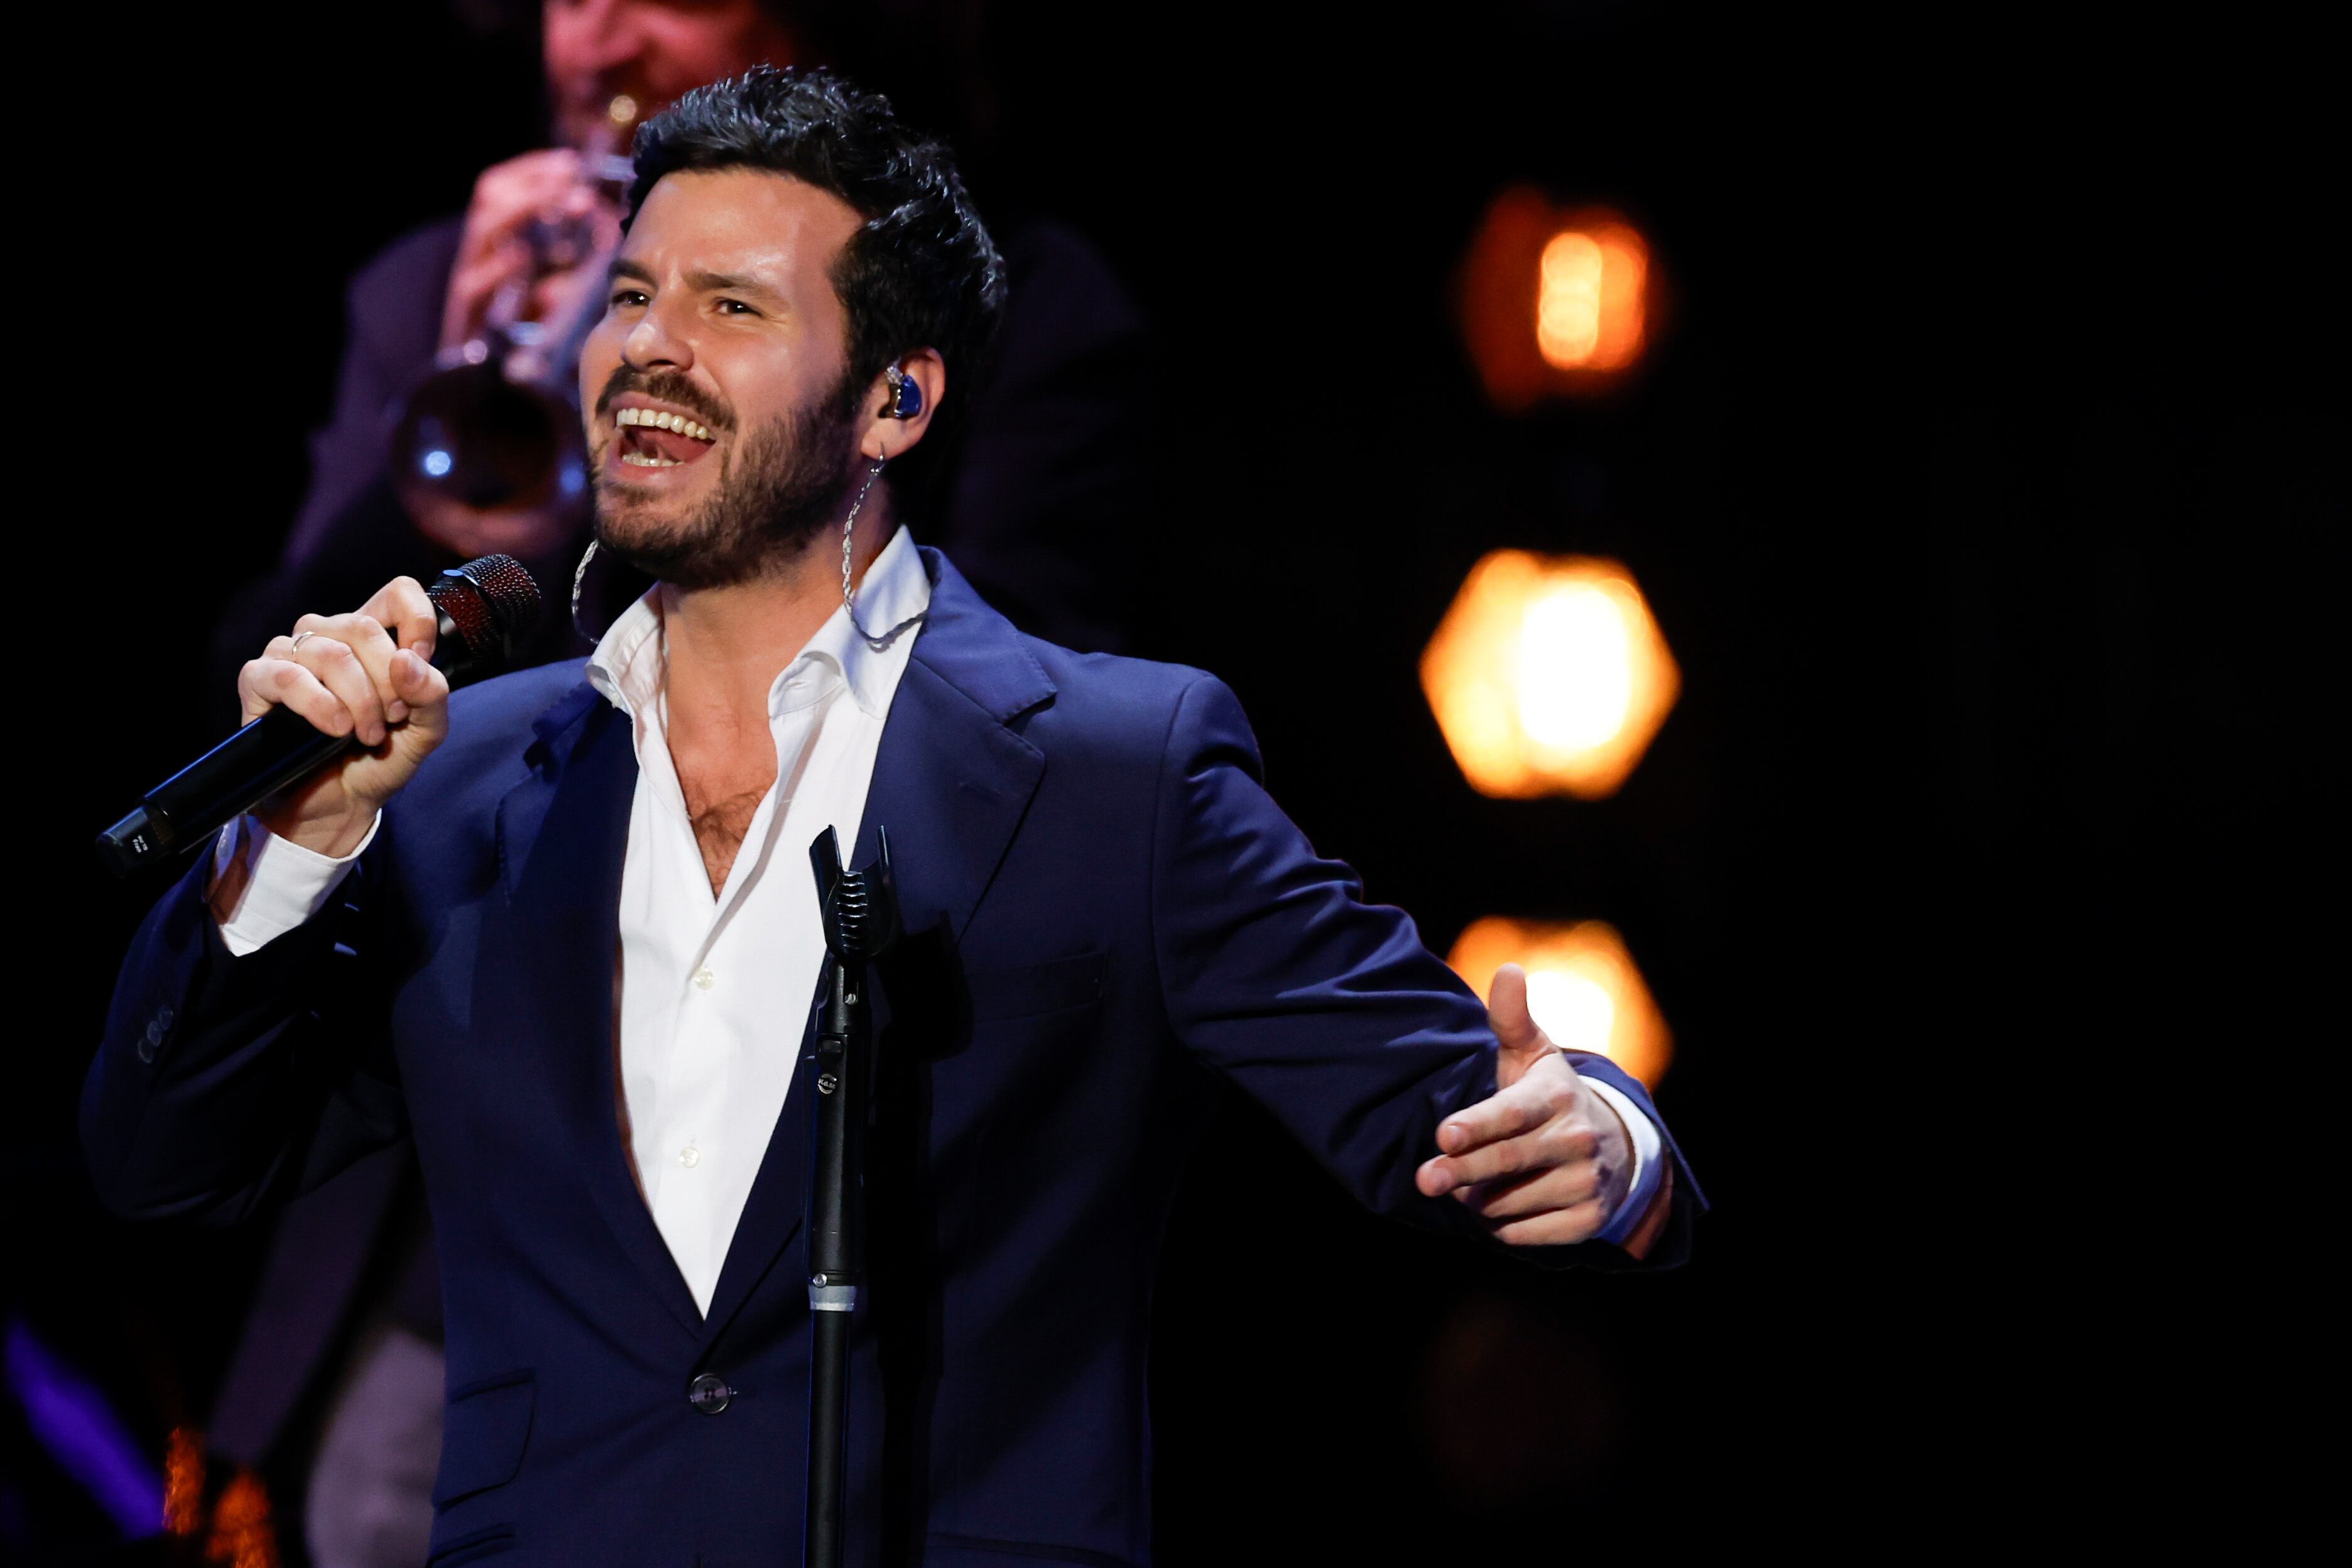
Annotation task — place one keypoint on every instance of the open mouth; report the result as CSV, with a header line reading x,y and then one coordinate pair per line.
x,y
654,438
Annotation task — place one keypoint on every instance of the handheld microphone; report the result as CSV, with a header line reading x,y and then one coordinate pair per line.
x,y
484,609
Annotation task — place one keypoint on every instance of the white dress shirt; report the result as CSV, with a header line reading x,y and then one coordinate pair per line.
x,y
715,992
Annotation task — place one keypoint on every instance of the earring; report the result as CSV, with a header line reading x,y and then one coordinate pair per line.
x,y
905,393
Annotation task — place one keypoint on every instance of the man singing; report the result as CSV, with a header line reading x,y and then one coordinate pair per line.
x,y
334,1391
563,933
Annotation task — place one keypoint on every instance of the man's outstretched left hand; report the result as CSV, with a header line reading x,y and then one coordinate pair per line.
x,y
1545,1161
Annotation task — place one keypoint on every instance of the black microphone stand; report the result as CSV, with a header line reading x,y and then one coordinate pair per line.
x,y
860,911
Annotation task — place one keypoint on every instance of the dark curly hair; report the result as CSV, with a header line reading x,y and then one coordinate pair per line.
x,y
921,272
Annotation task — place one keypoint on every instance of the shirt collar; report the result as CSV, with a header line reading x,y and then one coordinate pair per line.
x,y
895,588
632,656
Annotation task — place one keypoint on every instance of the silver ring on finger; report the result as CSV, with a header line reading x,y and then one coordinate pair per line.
x,y
298,640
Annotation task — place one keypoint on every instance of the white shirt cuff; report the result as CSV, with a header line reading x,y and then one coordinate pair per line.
x,y
285,884
1649,1161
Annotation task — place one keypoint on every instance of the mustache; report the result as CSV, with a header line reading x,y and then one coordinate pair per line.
x,y
670,387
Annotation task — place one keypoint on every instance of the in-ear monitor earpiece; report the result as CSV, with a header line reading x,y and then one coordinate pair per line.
x,y
905,393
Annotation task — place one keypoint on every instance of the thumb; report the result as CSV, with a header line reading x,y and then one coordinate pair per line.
x,y
1523,1044
424,688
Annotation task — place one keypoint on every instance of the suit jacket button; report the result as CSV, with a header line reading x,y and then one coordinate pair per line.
x,y
152,1040
708,1393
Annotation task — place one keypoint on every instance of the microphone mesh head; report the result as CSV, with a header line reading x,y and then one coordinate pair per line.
x,y
508,592
492,602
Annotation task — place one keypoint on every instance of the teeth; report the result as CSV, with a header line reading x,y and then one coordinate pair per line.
x,y
659,420
632,460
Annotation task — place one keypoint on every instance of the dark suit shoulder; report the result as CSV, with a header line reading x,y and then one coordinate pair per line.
x,y
1117,708
1113,705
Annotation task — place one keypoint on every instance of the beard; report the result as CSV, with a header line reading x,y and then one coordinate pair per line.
x,y
786,482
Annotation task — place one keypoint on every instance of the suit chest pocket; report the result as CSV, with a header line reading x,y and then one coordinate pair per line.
x,y
1033,990
488,1428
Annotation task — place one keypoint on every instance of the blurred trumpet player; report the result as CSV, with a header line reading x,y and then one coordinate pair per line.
x,y
334,1391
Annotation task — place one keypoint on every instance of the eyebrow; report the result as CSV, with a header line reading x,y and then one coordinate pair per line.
x,y
702,282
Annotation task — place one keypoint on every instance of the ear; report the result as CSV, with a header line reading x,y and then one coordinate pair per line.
x,y
878,431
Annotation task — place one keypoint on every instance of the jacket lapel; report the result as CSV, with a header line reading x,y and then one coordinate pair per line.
x,y
951,783
562,834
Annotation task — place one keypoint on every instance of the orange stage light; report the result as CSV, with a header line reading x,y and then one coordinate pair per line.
x,y
1553,300
242,1535
184,1482
1588,301
235,1530
1582,988
1549,675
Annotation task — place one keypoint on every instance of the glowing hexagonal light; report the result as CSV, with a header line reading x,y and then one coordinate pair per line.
x,y
1582,988
1549,675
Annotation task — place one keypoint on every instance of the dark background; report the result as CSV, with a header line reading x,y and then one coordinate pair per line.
x,y
1976,481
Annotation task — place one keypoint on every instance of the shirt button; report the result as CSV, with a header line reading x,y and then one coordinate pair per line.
x,y
689,1156
704,980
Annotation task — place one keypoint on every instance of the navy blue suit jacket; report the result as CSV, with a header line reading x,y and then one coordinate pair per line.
x,y
1101,898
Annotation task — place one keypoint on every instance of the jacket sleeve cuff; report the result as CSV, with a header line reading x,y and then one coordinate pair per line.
x,y
1648,1161
285,884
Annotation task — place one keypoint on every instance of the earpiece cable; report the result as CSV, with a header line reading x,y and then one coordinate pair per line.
x,y
848,592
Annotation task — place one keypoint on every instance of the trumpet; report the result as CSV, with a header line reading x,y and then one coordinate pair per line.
x,y
488,455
